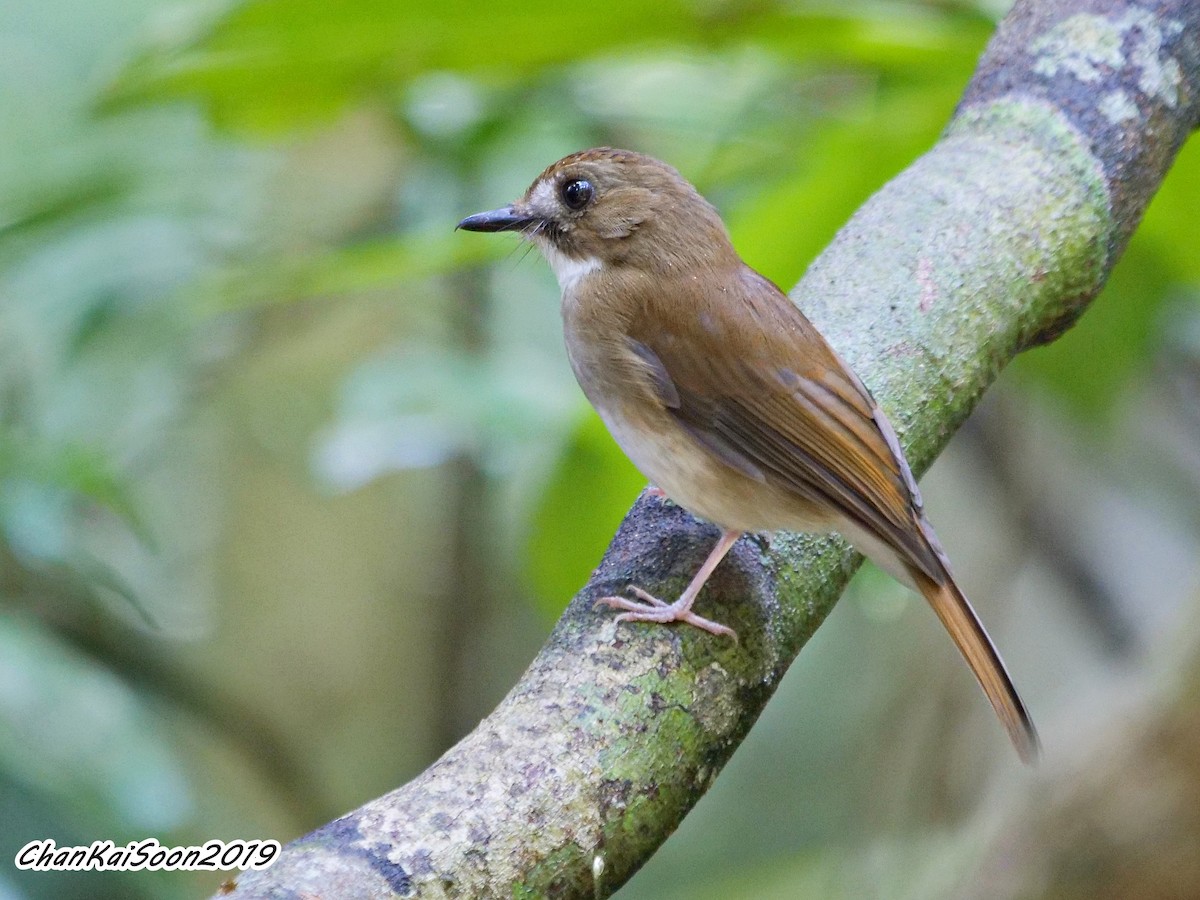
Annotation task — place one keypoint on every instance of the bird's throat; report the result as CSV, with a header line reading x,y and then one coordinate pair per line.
x,y
569,270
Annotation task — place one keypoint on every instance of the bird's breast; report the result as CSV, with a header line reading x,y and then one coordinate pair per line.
x,y
617,384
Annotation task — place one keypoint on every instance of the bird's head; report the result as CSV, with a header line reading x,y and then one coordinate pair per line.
x,y
606,207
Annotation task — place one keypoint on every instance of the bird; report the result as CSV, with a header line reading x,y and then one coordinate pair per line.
x,y
725,396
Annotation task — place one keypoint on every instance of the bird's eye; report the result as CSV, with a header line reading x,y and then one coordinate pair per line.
x,y
576,193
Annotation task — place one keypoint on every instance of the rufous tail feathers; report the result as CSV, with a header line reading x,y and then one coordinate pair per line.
x,y
977,649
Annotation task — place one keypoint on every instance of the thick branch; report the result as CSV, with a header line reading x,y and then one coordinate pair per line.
x,y
995,239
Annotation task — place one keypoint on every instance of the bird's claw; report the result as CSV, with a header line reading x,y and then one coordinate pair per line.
x,y
655,610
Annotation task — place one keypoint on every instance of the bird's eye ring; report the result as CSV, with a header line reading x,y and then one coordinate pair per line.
x,y
576,193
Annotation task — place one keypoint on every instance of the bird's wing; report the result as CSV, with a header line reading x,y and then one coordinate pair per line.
x,y
777,404
780,403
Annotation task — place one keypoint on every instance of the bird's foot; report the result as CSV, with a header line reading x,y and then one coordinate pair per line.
x,y
655,610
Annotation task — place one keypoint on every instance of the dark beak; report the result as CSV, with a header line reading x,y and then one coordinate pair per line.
x,y
506,219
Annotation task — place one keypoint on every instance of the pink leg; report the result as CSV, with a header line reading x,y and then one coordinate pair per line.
x,y
655,610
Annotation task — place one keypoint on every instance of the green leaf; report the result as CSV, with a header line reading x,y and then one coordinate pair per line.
x,y
72,469
58,202
793,217
592,487
363,266
270,65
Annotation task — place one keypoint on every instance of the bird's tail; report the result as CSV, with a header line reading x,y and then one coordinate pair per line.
x,y
972,640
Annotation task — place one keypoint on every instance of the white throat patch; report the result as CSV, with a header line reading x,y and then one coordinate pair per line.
x,y
568,270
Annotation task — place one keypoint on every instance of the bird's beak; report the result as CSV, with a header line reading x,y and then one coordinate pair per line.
x,y
506,219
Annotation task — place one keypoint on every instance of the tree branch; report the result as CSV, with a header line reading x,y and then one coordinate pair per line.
x,y
993,241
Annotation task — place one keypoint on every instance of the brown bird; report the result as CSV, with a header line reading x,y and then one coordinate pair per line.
x,y
724,395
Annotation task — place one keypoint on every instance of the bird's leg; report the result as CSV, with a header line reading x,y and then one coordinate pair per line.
x,y
655,610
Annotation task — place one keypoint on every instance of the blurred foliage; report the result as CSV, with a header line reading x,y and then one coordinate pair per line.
x,y
232,305
588,490
274,64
